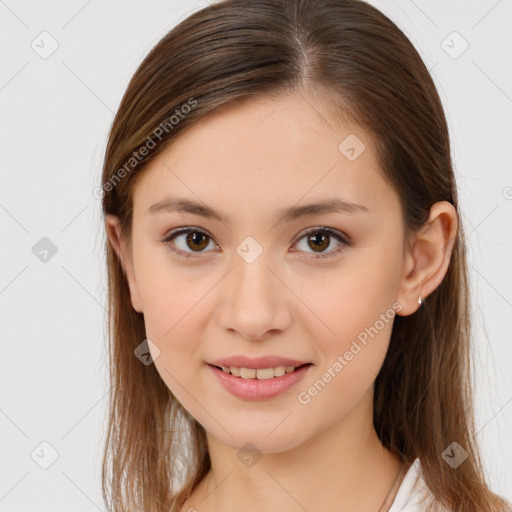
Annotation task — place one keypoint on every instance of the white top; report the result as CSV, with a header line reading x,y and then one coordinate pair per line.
x,y
412,491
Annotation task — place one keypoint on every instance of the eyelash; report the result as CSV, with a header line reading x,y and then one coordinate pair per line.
x,y
344,241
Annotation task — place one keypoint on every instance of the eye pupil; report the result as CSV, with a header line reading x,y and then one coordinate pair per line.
x,y
195,237
323,239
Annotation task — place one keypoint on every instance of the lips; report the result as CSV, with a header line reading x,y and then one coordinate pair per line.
x,y
256,389
241,361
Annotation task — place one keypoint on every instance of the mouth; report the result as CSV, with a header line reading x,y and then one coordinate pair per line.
x,y
259,373
259,383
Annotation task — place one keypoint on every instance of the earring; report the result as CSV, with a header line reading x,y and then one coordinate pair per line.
x,y
420,301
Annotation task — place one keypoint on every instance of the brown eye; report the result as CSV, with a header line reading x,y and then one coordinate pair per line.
x,y
319,239
188,242
197,240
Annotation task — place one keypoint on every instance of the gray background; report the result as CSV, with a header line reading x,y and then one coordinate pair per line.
x,y
55,116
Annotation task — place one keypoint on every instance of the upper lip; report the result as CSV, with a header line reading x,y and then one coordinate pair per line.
x,y
258,362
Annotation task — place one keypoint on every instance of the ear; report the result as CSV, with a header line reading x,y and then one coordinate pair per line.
x,y
120,246
428,258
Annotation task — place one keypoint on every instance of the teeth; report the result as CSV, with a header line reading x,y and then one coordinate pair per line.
x,y
258,373
234,371
247,373
264,373
279,371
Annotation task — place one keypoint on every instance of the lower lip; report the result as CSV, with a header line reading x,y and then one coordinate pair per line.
x,y
255,389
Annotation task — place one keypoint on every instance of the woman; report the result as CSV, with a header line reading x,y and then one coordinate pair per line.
x,y
288,290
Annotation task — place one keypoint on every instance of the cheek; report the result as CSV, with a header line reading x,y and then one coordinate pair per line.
x,y
353,320
171,294
350,357
174,317
347,299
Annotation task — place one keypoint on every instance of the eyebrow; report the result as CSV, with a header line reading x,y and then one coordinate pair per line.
x,y
172,204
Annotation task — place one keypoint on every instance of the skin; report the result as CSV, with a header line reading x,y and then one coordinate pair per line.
x,y
275,153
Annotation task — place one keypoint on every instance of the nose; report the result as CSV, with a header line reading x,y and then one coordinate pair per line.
x,y
255,302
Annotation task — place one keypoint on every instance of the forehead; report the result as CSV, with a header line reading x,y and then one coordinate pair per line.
x,y
266,151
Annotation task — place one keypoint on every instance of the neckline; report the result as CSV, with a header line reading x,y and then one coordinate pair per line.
x,y
390,498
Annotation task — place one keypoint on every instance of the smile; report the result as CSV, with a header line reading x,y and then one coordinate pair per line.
x,y
259,383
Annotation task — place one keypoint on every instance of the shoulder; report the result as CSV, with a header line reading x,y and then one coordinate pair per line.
x,y
413,494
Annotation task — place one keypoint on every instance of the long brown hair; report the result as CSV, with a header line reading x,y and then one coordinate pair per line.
x,y
155,452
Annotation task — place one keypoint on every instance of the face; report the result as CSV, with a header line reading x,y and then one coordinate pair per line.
x,y
321,287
